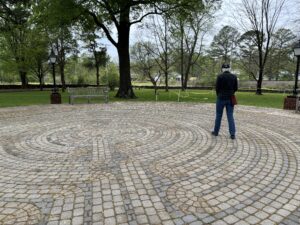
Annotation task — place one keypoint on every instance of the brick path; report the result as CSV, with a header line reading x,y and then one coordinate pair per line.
x,y
147,163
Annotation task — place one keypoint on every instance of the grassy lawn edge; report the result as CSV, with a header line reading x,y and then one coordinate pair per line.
x,y
26,98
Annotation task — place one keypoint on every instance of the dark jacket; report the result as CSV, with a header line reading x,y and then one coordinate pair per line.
x,y
226,85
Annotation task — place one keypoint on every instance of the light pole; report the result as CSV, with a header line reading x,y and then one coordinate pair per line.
x,y
297,54
55,97
52,59
290,101
100,58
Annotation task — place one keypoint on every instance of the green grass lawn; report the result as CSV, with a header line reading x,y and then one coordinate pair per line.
x,y
8,99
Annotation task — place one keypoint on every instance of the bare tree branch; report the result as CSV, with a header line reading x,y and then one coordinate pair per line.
x,y
143,16
106,31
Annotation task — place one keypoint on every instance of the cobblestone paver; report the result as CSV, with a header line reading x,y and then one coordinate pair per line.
x,y
147,163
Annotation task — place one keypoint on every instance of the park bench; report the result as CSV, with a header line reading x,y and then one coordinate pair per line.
x,y
88,92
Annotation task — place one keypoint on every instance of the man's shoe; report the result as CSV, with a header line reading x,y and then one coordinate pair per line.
x,y
232,137
214,133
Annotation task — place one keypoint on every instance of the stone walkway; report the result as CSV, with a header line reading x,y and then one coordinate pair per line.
x,y
147,163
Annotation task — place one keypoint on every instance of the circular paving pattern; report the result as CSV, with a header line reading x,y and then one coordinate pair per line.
x,y
147,163
20,213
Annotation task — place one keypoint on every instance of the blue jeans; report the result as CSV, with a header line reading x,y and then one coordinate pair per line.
x,y
221,103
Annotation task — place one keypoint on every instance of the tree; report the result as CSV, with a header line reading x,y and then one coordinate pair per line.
x,y
111,78
295,12
145,63
64,44
280,60
14,28
260,17
224,43
52,16
189,28
280,51
161,44
248,54
90,34
38,45
122,15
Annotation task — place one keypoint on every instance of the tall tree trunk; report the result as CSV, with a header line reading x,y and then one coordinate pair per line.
x,y
22,71
188,68
181,56
41,82
62,76
23,77
186,77
259,82
61,61
97,64
166,80
166,58
97,74
260,63
40,74
125,87
166,72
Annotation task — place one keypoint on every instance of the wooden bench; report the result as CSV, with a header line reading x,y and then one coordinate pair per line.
x,y
88,92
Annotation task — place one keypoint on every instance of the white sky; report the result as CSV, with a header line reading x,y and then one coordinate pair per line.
x,y
289,13
226,17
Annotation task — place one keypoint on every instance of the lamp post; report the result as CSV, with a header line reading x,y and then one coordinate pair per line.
x,y
290,101
55,96
52,59
297,54
100,60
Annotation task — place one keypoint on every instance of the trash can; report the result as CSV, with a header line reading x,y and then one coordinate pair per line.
x,y
55,97
290,102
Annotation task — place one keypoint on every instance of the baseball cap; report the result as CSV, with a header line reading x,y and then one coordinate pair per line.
x,y
225,66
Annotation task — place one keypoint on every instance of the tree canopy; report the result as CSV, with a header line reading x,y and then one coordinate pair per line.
x,y
176,45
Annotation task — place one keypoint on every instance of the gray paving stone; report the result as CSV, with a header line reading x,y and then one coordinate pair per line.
x,y
189,218
179,222
231,219
253,220
219,222
147,163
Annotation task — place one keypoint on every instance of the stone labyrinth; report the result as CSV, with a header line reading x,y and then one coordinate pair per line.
x,y
147,163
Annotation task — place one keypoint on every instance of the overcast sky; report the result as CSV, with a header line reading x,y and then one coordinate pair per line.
x,y
226,16
287,18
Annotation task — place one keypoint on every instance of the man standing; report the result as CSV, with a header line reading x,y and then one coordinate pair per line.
x,y
226,86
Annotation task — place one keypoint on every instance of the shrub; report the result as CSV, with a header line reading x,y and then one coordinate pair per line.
x,y
111,79
80,80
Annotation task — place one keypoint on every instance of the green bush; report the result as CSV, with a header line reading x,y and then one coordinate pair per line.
x,y
9,78
111,77
80,80
113,81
